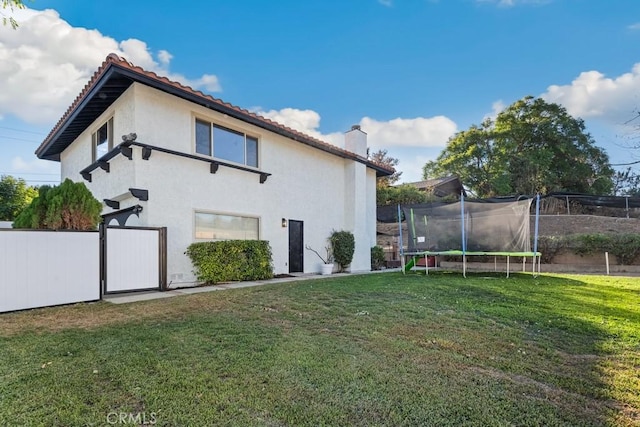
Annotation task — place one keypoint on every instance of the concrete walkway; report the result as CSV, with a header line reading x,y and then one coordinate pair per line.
x,y
151,295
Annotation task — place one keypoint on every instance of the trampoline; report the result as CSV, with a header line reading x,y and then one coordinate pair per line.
x,y
498,228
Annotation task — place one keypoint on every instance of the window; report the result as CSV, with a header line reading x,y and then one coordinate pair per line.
x,y
226,227
102,140
226,144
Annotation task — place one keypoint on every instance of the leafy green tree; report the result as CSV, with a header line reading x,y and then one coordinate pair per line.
x,y
15,195
11,5
403,194
68,206
382,157
532,146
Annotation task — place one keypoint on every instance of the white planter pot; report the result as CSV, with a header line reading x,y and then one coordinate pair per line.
x,y
326,269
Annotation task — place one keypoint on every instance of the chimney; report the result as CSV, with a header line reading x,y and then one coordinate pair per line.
x,y
355,140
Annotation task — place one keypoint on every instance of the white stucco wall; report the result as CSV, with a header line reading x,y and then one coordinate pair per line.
x,y
324,191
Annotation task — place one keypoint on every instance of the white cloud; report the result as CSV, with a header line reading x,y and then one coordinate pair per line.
x,y
387,3
419,132
412,141
496,108
46,62
305,121
634,27
593,95
416,132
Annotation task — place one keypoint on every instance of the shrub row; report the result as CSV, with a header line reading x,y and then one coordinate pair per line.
x,y
231,260
625,247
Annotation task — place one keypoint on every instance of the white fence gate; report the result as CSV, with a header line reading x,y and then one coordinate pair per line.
x,y
41,268
135,259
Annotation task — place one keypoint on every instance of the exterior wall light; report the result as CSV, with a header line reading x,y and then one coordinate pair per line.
x,y
284,222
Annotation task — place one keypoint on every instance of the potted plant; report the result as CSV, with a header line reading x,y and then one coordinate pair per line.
x,y
327,262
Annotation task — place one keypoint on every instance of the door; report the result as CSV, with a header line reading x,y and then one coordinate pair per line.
x,y
296,246
134,259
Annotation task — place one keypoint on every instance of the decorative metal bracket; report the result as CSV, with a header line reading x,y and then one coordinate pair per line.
x,y
127,152
140,194
123,215
86,176
113,204
104,166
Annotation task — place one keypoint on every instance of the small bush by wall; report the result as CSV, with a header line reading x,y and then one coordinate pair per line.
x,y
377,258
343,246
231,260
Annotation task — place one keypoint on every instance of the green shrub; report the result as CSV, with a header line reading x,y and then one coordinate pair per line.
x,y
231,260
377,258
68,206
343,245
589,244
550,246
626,247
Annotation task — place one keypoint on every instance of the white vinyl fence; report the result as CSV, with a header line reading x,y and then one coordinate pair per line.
x,y
45,268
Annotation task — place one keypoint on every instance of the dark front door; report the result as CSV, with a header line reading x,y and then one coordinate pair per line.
x,y
296,246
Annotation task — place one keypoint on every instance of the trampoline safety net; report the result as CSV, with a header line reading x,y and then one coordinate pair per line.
x,y
488,227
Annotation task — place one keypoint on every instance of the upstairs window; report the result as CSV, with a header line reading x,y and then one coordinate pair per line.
x,y
102,140
226,144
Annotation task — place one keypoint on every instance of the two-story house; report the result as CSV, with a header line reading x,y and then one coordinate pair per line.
x,y
208,170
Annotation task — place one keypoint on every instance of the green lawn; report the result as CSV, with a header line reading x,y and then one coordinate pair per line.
x,y
379,349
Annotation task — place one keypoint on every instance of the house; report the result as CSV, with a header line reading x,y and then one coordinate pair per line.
x,y
208,170
441,187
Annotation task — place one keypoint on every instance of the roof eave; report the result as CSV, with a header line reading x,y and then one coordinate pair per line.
x,y
43,151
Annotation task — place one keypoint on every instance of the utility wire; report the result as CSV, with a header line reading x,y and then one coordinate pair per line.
x,y
21,130
17,139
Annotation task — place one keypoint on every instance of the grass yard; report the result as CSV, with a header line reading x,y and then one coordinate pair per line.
x,y
379,349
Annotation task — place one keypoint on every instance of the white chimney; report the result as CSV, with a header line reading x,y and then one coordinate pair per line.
x,y
355,141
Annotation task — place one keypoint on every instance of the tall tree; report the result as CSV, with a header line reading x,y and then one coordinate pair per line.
x,y
15,195
532,146
11,5
382,157
69,206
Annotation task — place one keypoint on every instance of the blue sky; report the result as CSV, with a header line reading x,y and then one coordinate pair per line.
x,y
410,72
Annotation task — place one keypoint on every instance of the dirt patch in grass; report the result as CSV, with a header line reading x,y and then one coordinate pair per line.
x,y
94,315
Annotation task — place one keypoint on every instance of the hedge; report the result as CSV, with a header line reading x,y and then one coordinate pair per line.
x,y
231,260
625,247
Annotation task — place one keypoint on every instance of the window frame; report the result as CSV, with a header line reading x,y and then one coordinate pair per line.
x,y
94,139
212,143
229,214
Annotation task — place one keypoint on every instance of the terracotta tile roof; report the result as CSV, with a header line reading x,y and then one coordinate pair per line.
x,y
163,83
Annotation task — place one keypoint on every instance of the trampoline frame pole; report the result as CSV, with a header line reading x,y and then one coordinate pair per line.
x,y
400,239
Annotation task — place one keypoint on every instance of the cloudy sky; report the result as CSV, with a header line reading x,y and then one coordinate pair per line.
x,y
410,72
